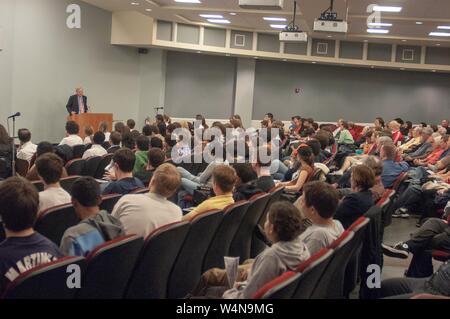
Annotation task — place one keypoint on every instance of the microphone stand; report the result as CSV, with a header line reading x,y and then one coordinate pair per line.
x,y
13,147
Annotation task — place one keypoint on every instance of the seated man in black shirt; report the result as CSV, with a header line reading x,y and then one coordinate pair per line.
x,y
121,175
23,248
156,158
245,186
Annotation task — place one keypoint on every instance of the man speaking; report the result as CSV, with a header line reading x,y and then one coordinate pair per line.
x,y
77,103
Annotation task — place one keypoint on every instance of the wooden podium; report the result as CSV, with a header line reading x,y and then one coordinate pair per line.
x,y
91,119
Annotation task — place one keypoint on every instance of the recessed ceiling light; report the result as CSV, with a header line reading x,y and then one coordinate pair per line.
x,y
211,16
313,62
148,10
199,51
387,9
233,13
188,1
379,24
135,3
419,22
438,44
256,58
404,40
444,27
220,21
284,60
278,26
439,34
378,31
329,36
433,70
274,19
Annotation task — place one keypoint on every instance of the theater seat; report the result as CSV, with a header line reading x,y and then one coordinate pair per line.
x,y
67,183
188,265
257,244
53,222
441,255
78,151
91,166
331,284
282,287
221,242
75,167
109,201
47,281
242,242
151,274
399,181
109,268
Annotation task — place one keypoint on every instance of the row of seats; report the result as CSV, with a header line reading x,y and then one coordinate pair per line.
x,y
169,262
94,166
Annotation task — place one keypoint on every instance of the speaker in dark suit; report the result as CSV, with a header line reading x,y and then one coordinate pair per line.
x,y
77,103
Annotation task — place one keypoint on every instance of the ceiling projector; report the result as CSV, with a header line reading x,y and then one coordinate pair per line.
x,y
261,4
330,26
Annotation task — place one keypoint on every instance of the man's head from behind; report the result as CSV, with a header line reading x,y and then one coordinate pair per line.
x,y
19,203
224,178
50,168
44,148
72,128
124,160
156,158
24,135
283,222
165,181
99,138
319,201
85,195
131,124
143,143
388,152
115,139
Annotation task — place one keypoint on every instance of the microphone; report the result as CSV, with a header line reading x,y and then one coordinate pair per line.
x,y
15,115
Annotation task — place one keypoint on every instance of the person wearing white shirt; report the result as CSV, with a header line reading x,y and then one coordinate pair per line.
x,y
141,214
27,149
97,149
72,139
50,168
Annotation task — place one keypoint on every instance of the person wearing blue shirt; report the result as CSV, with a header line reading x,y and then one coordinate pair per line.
x,y
121,174
391,169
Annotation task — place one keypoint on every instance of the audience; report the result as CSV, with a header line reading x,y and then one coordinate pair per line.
x,y
223,181
50,168
121,175
95,227
115,139
72,139
88,132
23,248
141,214
264,181
26,149
391,169
42,148
97,149
305,171
143,145
103,127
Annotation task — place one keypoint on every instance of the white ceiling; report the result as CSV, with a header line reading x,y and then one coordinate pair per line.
x,y
431,13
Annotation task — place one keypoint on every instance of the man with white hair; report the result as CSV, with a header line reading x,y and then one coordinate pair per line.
x,y
77,103
413,142
445,124
397,136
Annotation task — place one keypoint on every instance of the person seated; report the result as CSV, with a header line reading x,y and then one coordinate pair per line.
x,y
88,132
128,141
282,228
143,145
121,174
413,142
42,148
72,138
376,165
223,181
357,203
397,135
391,169
6,153
26,149
433,234
115,139
23,248
345,138
49,168
265,181
440,145
424,149
141,214
156,142
96,226
131,124
245,186
318,204
97,150
304,172
156,158
104,128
